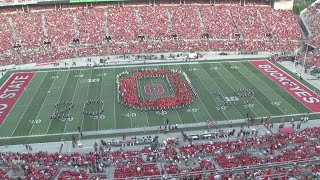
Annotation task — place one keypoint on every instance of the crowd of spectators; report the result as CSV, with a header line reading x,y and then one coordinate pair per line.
x,y
282,24
276,155
312,62
90,31
312,22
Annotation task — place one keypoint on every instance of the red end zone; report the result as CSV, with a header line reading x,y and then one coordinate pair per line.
x,y
11,91
295,88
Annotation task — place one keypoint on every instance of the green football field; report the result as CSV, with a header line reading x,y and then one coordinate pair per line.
x,y
31,114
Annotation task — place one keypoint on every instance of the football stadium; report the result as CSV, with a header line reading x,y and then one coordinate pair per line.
x,y
160,89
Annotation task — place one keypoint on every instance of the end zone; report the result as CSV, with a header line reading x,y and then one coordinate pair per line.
x,y
298,90
11,91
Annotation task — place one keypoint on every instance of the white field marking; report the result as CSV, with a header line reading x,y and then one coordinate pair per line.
x,y
101,84
85,100
9,78
28,104
114,104
146,65
18,97
162,81
43,104
296,81
125,69
274,91
74,92
190,105
164,122
59,99
220,89
103,132
242,86
256,87
211,96
143,98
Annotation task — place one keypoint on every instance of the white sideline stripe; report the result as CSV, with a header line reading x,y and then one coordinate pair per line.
x,y
154,64
153,128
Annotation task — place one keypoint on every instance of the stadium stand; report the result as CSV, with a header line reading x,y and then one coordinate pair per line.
x,y
311,16
275,155
143,29
40,34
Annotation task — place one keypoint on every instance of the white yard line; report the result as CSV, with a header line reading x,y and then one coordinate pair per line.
x,y
219,89
143,98
129,108
28,104
173,92
43,104
272,90
74,92
18,97
114,96
103,132
190,108
9,78
164,122
58,100
242,86
86,99
102,74
211,96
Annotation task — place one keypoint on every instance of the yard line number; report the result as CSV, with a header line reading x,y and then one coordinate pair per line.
x,y
248,105
130,115
276,103
35,121
79,75
101,74
193,110
161,112
232,98
90,80
193,69
235,67
99,116
222,108
214,68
